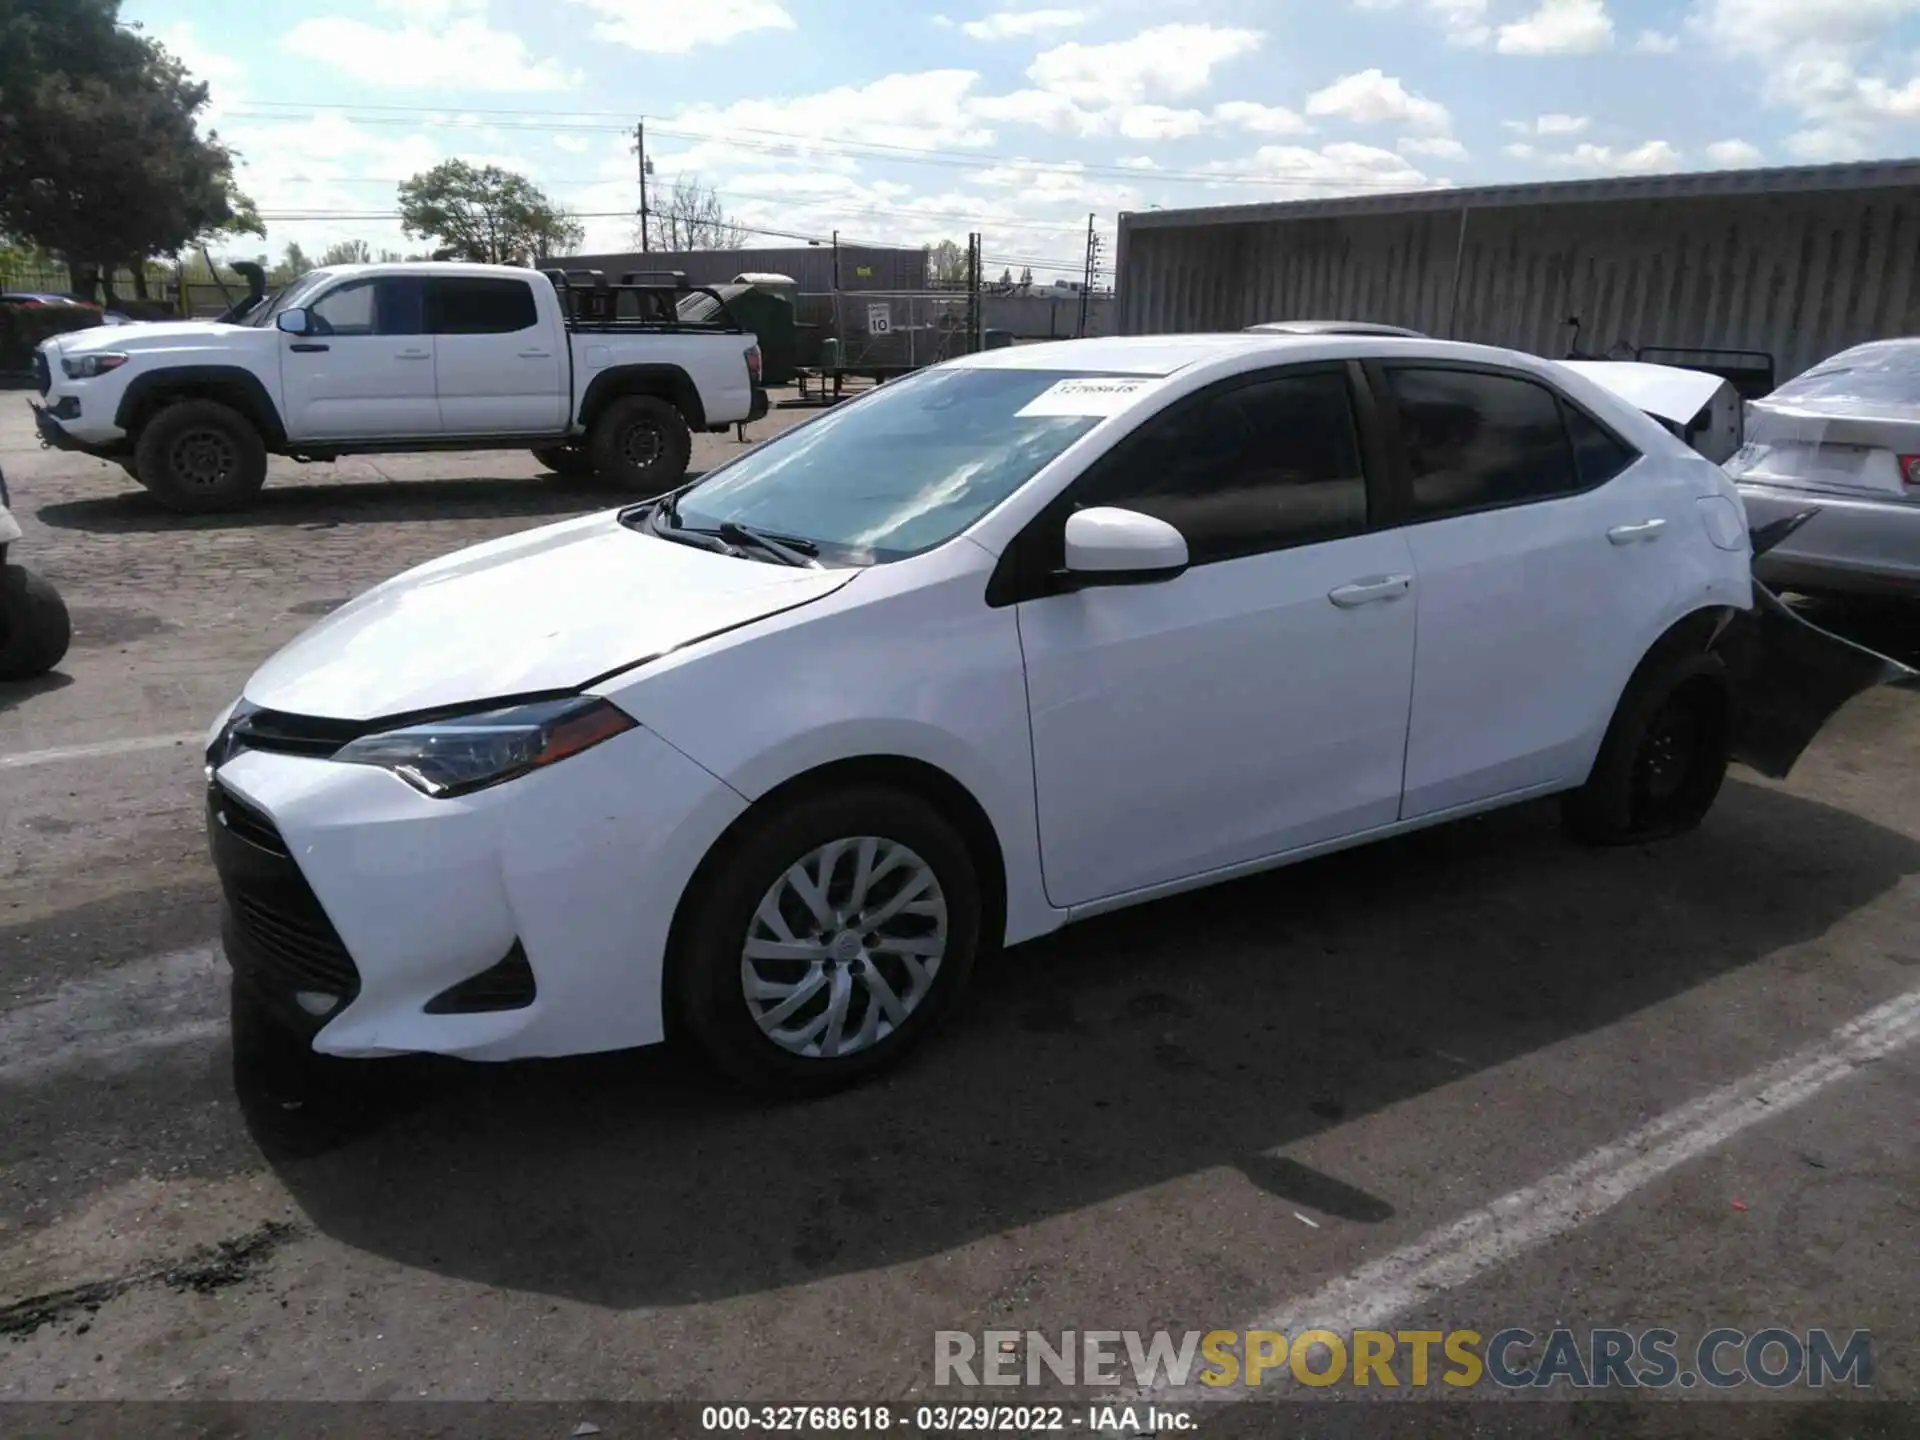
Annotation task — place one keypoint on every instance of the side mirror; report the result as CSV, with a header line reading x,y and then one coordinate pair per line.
x,y
1109,546
293,321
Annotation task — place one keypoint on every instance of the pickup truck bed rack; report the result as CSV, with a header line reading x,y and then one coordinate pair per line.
x,y
639,303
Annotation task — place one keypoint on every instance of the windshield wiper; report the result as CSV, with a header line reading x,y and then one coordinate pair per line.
x,y
788,549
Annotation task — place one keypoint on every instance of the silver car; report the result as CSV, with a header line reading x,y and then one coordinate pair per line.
x,y
1844,437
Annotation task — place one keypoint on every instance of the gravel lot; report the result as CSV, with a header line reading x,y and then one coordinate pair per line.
x,y
1194,1116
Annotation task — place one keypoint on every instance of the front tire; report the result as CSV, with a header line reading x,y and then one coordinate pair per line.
x,y
641,444
828,940
1664,758
34,626
199,456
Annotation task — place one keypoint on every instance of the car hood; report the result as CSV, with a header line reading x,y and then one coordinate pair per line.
x,y
549,609
157,335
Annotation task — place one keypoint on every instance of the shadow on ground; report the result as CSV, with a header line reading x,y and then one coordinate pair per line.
x,y
1132,1050
15,693
346,502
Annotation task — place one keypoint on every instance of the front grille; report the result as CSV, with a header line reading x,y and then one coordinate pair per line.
x,y
286,945
42,374
282,734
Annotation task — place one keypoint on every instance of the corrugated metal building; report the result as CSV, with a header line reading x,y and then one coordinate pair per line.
x,y
861,267
1797,262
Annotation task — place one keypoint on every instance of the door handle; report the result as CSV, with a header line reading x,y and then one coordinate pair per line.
x,y
1363,592
1645,530
415,355
536,354
308,349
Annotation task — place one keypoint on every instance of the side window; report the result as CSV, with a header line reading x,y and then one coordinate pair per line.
x,y
345,310
1260,467
480,307
1598,453
403,306
1475,441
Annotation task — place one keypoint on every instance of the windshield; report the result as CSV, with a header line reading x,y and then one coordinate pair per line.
x,y
905,468
289,296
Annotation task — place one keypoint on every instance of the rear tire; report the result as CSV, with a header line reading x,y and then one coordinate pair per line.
x,y
199,456
1664,758
34,627
641,444
898,957
568,460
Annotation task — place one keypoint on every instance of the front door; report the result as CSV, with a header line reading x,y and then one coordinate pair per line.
x,y
1255,704
500,372
364,369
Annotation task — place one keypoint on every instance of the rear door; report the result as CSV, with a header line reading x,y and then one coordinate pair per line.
x,y
498,368
364,370
1540,545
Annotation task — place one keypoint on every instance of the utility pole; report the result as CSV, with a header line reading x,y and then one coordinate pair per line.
x,y
1086,282
640,140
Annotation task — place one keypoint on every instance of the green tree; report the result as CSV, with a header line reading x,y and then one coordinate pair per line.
x,y
488,214
347,252
101,160
947,263
293,264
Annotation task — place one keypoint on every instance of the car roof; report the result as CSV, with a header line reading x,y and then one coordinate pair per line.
x,y
1163,355
1331,327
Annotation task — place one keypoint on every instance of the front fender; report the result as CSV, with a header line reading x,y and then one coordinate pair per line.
x,y
1790,677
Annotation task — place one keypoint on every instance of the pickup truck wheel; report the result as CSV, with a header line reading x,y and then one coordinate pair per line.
x,y
34,628
198,456
641,443
569,460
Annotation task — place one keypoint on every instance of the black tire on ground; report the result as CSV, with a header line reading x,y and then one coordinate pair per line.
x,y
1664,757
706,985
641,444
199,456
568,460
34,628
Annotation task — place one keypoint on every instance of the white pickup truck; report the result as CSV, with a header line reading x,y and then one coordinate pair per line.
x,y
596,379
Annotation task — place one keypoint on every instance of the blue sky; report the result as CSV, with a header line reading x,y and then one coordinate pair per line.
x,y
907,123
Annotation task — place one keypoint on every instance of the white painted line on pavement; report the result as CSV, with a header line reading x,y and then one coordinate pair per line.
x,y
1446,1258
166,1000
98,748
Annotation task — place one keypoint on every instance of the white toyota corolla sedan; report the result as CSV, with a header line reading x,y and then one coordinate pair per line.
x,y
1028,636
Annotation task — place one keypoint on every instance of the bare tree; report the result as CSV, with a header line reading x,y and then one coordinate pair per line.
x,y
691,217
946,264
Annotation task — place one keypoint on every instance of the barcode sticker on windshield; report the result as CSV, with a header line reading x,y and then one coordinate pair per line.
x,y
1085,397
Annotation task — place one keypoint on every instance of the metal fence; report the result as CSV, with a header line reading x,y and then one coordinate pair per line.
x,y
901,329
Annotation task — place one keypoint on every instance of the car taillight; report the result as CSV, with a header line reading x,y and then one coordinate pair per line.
x,y
1910,471
753,363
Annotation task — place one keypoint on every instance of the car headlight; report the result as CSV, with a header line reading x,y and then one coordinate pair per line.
x,y
85,367
465,753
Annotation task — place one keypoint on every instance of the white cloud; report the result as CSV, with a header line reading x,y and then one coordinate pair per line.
x,y
928,109
1294,171
1733,154
1653,155
1139,162
1555,124
1768,26
1159,122
1440,147
1372,98
1559,27
1656,42
1166,62
669,27
572,144
1013,24
1257,119
1519,150
439,45
1041,109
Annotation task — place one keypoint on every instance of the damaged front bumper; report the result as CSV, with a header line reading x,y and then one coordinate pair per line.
x,y
1790,677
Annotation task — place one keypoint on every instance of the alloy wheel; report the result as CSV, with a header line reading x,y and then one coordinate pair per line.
x,y
844,947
